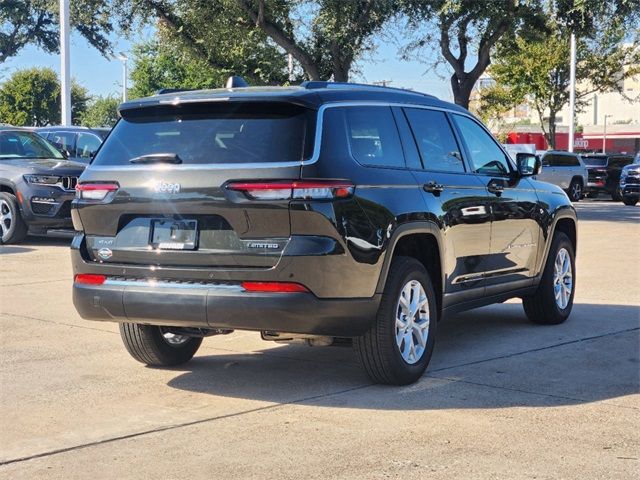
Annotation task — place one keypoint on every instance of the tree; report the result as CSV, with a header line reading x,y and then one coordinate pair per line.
x,y
252,37
101,112
159,65
536,71
31,97
24,22
465,32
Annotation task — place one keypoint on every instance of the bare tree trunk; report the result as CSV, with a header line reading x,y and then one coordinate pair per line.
x,y
551,137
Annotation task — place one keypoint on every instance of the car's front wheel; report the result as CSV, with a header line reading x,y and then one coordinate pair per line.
x,y
630,201
397,348
157,346
12,226
552,302
575,190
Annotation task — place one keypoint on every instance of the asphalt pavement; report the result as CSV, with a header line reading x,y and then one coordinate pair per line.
x,y
502,398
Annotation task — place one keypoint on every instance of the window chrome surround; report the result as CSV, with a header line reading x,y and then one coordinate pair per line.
x,y
316,147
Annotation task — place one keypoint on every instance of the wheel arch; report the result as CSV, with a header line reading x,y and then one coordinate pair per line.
x,y
565,220
419,240
7,187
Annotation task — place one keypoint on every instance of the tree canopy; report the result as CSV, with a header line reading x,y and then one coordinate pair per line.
x,y
31,97
535,71
101,112
252,37
24,22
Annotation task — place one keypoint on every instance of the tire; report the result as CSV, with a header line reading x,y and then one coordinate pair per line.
x,y
378,350
12,226
542,307
148,345
630,201
575,190
616,195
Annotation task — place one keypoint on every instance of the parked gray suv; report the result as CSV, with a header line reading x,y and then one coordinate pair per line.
x,y
566,170
316,212
37,185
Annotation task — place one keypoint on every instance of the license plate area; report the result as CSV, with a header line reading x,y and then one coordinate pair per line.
x,y
171,234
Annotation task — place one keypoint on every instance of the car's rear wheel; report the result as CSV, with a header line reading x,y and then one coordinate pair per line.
x,y
575,190
157,346
397,348
12,226
552,302
616,195
630,201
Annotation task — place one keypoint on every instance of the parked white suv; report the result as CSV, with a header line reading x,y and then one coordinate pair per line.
x,y
566,170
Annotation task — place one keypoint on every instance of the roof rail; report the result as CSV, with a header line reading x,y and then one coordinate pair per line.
x,y
174,90
314,84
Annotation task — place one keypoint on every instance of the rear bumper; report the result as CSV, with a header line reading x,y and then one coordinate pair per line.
x,y
222,305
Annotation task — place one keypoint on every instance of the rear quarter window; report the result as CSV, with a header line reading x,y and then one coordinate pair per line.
x,y
373,136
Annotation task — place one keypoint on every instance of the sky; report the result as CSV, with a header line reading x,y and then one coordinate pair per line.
x,y
102,76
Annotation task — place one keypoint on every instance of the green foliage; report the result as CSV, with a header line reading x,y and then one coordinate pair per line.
x,y
536,70
101,112
464,33
252,37
31,97
36,22
165,65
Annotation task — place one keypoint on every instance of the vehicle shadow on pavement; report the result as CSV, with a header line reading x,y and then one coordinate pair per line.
x,y
12,249
488,358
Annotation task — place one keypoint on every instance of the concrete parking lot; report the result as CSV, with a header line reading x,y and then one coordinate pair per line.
x,y
502,398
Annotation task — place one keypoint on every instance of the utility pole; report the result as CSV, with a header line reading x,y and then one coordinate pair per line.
x,y
123,58
604,135
290,64
572,92
65,69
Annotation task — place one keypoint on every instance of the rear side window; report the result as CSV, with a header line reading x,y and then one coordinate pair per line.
x,y
373,136
436,143
205,133
87,145
567,161
63,140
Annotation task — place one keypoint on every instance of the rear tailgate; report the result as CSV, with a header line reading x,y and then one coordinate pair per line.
x,y
182,214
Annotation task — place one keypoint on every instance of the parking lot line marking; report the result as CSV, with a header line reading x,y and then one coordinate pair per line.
x,y
176,426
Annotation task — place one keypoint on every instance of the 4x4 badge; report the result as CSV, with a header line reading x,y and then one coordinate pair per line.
x,y
105,253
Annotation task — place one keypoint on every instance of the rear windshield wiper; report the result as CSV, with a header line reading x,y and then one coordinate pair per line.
x,y
157,158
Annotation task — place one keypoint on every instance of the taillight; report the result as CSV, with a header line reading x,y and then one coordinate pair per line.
x,y
90,279
294,189
274,287
94,191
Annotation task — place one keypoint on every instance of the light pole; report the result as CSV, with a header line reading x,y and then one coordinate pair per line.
x,y
123,58
572,92
65,69
604,136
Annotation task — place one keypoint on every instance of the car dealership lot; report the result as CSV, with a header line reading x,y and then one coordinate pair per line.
x,y
502,397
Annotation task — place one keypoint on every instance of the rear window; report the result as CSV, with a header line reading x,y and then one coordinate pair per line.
x,y
208,133
595,161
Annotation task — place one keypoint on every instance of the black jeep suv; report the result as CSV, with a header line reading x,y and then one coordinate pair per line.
x,y
37,185
314,212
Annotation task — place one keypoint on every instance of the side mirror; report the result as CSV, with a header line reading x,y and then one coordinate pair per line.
x,y
528,164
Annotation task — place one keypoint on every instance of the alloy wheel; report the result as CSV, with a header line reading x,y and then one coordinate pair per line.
x,y
562,278
5,217
576,191
412,322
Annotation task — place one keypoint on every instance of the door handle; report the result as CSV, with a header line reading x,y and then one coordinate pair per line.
x,y
495,188
433,187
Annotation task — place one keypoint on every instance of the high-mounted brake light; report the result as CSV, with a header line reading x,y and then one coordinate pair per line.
x,y
94,191
90,279
274,287
294,189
